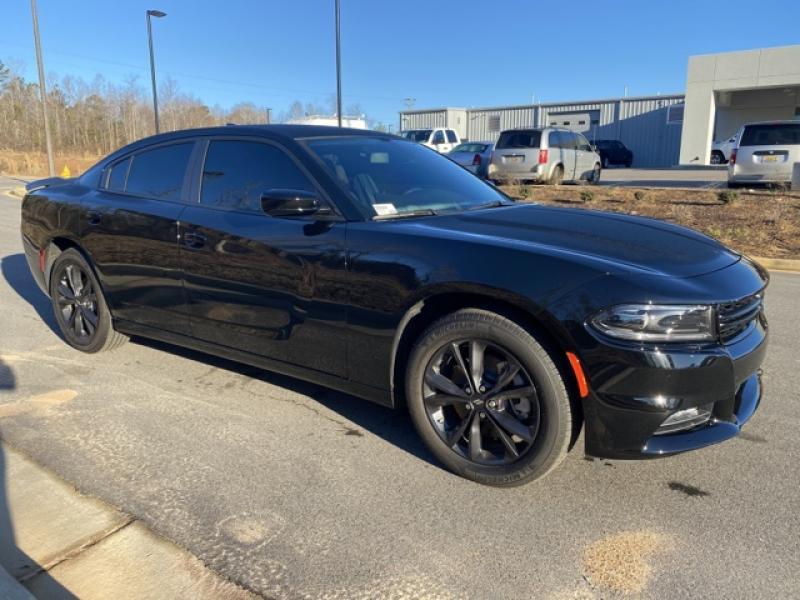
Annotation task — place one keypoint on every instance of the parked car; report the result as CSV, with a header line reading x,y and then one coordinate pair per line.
x,y
613,152
548,155
440,139
721,151
474,156
765,154
366,263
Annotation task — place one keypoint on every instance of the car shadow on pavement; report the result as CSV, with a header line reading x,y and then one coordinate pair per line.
x,y
394,426
17,274
16,562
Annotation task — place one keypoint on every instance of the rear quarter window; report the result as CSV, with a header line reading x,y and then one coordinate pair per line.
x,y
771,134
519,139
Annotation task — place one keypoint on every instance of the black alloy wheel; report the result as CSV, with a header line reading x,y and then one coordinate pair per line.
x,y
487,398
481,402
78,303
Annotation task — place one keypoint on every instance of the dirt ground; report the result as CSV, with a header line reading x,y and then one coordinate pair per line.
x,y
759,223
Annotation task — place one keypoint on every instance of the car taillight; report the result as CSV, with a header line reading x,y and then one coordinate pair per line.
x,y
543,156
732,159
476,160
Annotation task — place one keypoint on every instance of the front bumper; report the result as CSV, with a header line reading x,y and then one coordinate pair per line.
x,y
634,390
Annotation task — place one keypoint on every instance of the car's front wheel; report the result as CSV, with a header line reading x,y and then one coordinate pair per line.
x,y
79,306
487,399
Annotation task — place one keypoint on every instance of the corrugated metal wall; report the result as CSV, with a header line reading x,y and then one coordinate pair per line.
x,y
640,123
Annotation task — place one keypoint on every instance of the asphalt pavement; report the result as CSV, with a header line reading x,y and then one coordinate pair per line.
x,y
295,491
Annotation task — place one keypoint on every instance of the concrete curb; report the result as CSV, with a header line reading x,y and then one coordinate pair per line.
x,y
778,264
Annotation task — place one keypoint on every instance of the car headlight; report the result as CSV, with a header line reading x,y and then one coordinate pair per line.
x,y
657,322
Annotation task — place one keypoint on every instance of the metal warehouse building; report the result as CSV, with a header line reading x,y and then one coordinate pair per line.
x,y
648,125
723,91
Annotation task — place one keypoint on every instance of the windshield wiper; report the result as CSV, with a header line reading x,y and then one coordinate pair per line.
x,y
495,204
425,212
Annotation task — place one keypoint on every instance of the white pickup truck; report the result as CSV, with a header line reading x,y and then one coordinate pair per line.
x,y
440,139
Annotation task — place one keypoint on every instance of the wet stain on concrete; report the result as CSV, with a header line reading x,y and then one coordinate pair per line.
x,y
687,489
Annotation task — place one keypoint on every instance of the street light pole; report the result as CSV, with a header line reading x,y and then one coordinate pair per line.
x,y
338,67
157,14
42,90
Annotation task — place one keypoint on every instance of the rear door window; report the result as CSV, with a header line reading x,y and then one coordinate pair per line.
x,y
771,134
519,139
451,136
159,173
236,173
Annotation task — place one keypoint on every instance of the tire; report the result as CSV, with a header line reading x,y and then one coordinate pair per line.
x,y
537,427
557,178
594,177
79,306
717,158
628,164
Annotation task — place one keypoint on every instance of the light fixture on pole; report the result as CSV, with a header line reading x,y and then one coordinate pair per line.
x,y
158,14
338,67
42,90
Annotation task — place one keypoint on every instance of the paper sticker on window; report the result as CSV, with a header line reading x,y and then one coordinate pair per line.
x,y
380,158
384,209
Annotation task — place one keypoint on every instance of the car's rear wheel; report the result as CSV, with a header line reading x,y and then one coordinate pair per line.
x,y
717,157
557,177
79,306
487,399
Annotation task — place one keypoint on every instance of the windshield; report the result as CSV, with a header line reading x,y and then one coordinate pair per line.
x,y
387,176
417,135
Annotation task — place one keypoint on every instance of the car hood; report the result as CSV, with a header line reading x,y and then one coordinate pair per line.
x,y
620,242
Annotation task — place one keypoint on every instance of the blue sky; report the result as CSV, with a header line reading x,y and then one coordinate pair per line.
x,y
443,53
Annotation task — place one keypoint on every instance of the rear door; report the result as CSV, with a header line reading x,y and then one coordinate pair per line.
x,y
270,286
516,153
562,143
584,157
129,227
768,150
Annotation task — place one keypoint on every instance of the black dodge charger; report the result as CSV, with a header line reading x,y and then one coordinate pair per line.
x,y
371,264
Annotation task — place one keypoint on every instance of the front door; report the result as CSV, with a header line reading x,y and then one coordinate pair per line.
x,y
274,287
129,227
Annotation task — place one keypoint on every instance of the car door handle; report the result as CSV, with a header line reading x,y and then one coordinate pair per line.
x,y
193,240
93,218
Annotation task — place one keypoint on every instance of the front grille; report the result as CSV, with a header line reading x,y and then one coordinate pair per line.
x,y
735,317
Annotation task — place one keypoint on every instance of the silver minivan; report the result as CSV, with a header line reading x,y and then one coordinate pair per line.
x,y
765,153
548,155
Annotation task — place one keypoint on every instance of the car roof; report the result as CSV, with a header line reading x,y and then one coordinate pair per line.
x,y
279,132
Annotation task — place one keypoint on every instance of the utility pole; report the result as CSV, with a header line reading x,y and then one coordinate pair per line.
x,y
269,116
338,66
157,14
43,90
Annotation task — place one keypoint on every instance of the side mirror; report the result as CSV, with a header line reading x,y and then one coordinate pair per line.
x,y
289,203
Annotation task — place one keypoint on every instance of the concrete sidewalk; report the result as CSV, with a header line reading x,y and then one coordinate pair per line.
x,y
56,543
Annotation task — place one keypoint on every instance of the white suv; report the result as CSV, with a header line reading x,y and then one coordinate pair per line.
x,y
440,139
